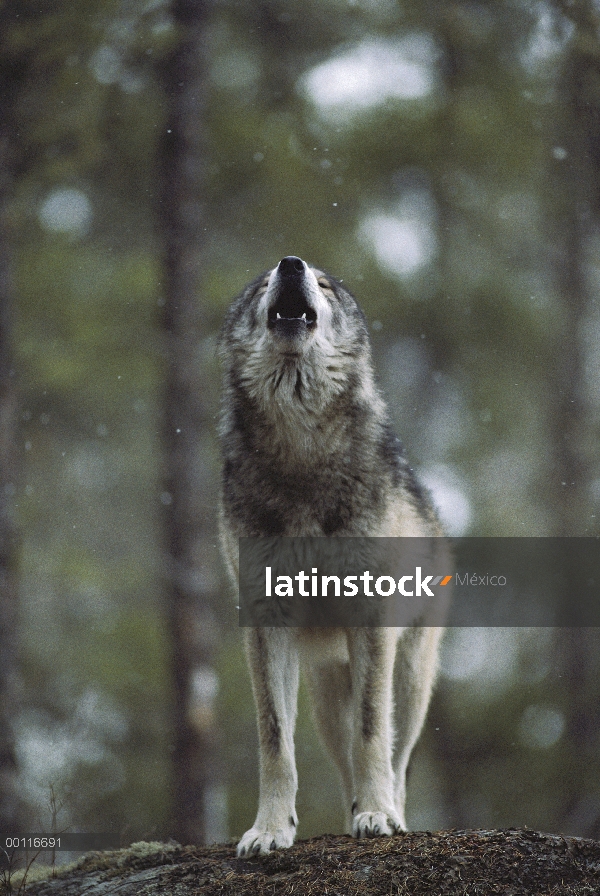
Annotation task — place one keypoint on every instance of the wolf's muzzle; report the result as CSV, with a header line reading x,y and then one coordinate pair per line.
x,y
291,315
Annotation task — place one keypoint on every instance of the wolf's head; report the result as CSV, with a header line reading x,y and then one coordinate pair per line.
x,y
295,340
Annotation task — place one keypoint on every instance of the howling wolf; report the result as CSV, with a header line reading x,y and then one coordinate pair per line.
x,y
308,451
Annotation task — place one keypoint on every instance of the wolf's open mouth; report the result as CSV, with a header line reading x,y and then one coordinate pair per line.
x,y
291,306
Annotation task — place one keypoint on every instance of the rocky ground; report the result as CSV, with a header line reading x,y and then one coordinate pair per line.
x,y
449,863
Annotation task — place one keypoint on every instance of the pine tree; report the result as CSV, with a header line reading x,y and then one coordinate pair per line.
x,y
189,497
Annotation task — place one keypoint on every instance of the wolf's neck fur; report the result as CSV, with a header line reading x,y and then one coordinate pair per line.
x,y
303,409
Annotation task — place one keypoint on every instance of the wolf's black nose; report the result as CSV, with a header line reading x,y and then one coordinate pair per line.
x,y
291,266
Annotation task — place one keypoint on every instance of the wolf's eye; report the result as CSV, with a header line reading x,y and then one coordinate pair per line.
x,y
323,283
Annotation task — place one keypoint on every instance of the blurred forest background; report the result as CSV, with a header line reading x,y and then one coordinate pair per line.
x,y
444,160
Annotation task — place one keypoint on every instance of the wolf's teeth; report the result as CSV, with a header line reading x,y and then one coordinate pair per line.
x,y
278,316
303,316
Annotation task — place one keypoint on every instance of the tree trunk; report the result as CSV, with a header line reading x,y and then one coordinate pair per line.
x,y
189,497
9,803
574,422
8,585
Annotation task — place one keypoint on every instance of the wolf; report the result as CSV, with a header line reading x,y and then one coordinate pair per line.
x,y
308,451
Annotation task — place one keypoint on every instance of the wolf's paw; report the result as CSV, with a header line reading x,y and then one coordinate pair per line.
x,y
376,824
258,843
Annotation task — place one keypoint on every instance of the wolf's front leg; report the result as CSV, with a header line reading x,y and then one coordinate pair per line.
x,y
372,654
273,660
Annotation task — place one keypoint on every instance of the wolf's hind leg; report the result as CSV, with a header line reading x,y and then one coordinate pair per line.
x,y
273,660
330,692
416,666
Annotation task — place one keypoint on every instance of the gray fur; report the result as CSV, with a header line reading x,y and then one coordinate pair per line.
x,y
308,450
